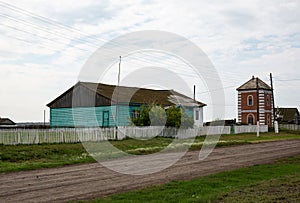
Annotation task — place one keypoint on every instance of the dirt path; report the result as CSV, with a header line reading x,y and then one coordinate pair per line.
x,y
88,181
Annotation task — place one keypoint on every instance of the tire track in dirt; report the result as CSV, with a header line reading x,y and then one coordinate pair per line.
x,y
86,181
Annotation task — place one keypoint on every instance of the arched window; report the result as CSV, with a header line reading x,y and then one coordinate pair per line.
x,y
250,100
268,100
250,118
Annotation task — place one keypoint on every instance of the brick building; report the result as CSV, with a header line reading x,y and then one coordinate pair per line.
x,y
249,104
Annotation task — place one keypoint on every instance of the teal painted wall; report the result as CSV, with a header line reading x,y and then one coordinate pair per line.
x,y
90,116
189,111
93,116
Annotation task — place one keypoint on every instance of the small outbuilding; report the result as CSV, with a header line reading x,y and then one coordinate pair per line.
x,y
287,115
6,121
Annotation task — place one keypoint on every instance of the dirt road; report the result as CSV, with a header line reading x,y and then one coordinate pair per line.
x,y
88,181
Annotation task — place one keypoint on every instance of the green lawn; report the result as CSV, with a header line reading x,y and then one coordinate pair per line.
x,y
26,157
277,182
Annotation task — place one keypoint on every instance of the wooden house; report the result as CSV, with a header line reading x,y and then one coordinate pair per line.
x,y
255,103
94,104
288,115
6,122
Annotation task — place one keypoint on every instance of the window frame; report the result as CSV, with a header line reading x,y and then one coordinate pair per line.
x,y
268,100
197,116
248,99
135,114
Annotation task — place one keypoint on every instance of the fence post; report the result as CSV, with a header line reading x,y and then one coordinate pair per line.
x,y
19,138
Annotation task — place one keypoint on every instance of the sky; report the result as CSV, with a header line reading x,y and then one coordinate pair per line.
x,y
45,44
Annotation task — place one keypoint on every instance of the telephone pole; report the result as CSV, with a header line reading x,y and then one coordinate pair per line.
x,y
257,103
273,103
117,102
275,123
44,118
194,93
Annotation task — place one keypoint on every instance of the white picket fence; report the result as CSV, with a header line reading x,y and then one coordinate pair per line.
x,y
289,126
72,135
250,129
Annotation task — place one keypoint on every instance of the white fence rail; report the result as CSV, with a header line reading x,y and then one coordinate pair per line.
x,y
289,126
250,129
72,135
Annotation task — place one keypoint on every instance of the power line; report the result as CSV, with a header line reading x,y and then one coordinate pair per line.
x,y
288,80
223,88
173,64
61,25
49,47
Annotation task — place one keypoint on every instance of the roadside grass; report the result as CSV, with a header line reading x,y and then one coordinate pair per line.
x,y
27,157
277,182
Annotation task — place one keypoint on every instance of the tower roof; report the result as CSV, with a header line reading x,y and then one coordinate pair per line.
x,y
252,85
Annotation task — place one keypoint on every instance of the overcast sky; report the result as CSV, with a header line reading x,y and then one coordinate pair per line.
x,y
44,44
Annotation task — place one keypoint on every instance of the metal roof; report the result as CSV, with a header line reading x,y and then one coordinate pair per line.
x,y
252,85
6,121
287,114
135,95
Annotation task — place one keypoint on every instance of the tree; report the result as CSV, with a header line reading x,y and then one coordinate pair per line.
x,y
155,115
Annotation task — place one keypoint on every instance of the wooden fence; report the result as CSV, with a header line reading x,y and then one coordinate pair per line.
x,y
72,135
250,129
289,126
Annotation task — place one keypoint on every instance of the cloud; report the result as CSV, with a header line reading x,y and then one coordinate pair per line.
x,y
242,38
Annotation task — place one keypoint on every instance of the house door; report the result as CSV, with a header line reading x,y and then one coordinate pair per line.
x,y
105,120
250,119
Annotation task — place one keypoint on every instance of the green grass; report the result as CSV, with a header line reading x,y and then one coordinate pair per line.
x,y
277,182
26,157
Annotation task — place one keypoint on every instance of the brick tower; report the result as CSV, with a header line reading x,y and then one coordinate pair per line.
x,y
255,98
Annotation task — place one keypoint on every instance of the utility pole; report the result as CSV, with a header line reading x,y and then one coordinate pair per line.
x,y
275,124
44,118
273,103
194,92
257,101
117,102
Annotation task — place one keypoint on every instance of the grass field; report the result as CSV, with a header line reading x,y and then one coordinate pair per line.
x,y
277,182
26,157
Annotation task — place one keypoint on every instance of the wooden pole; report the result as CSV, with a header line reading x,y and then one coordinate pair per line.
x,y
273,101
117,103
194,92
257,101
44,118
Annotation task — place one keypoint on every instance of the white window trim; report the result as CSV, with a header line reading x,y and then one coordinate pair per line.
x,y
248,100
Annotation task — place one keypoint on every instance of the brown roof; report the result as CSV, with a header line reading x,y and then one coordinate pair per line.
x,y
6,121
252,85
136,95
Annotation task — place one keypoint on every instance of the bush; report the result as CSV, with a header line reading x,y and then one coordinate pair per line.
x,y
156,115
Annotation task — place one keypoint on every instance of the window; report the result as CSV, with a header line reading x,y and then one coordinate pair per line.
x,y
268,100
250,119
135,114
196,115
250,100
